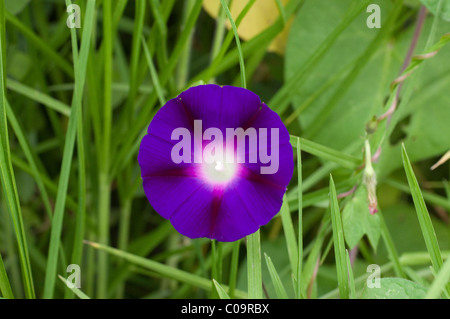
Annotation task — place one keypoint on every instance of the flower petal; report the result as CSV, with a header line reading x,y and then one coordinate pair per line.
x,y
244,208
222,210
268,119
220,107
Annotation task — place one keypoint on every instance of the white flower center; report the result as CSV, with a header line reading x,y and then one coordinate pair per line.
x,y
219,172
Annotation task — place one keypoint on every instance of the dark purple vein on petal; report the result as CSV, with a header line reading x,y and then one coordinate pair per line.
x,y
254,177
215,208
176,210
177,172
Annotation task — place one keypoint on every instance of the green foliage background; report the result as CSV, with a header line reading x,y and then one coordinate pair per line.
x,y
76,103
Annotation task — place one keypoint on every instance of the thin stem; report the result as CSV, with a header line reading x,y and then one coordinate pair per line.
x,y
104,184
238,43
300,219
234,268
183,66
419,25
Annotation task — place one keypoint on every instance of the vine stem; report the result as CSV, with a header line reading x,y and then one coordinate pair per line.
x,y
419,25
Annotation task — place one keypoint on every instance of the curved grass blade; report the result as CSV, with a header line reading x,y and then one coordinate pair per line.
x,y
289,233
361,61
75,290
238,43
423,216
5,287
280,101
351,278
153,73
299,191
259,42
39,97
80,72
339,243
389,243
278,285
162,269
222,293
327,153
104,200
7,173
40,44
439,283
234,267
29,154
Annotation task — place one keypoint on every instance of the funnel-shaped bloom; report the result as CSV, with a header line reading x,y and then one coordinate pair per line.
x,y
216,162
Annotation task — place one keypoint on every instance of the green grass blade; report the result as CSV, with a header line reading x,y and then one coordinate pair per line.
x,y
219,49
423,216
238,43
259,42
254,273
80,72
300,218
40,44
135,56
7,173
5,287
219,33
39,97
234,267
428,196
183,67
222,293
181,42
312,261
439,283
362,60
279,288
104,200
289,233
351,278
153,73
215,262
75,290
51,186
154,5
29,154
389,243
80,218
142,246
406,259
313,97
118,12
339,243
130,137
280,101
327,153
282,12
162,269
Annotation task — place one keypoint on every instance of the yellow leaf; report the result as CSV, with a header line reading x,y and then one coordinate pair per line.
x,y
262,14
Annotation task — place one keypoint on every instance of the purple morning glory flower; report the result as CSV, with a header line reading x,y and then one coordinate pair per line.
x,y
216,162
